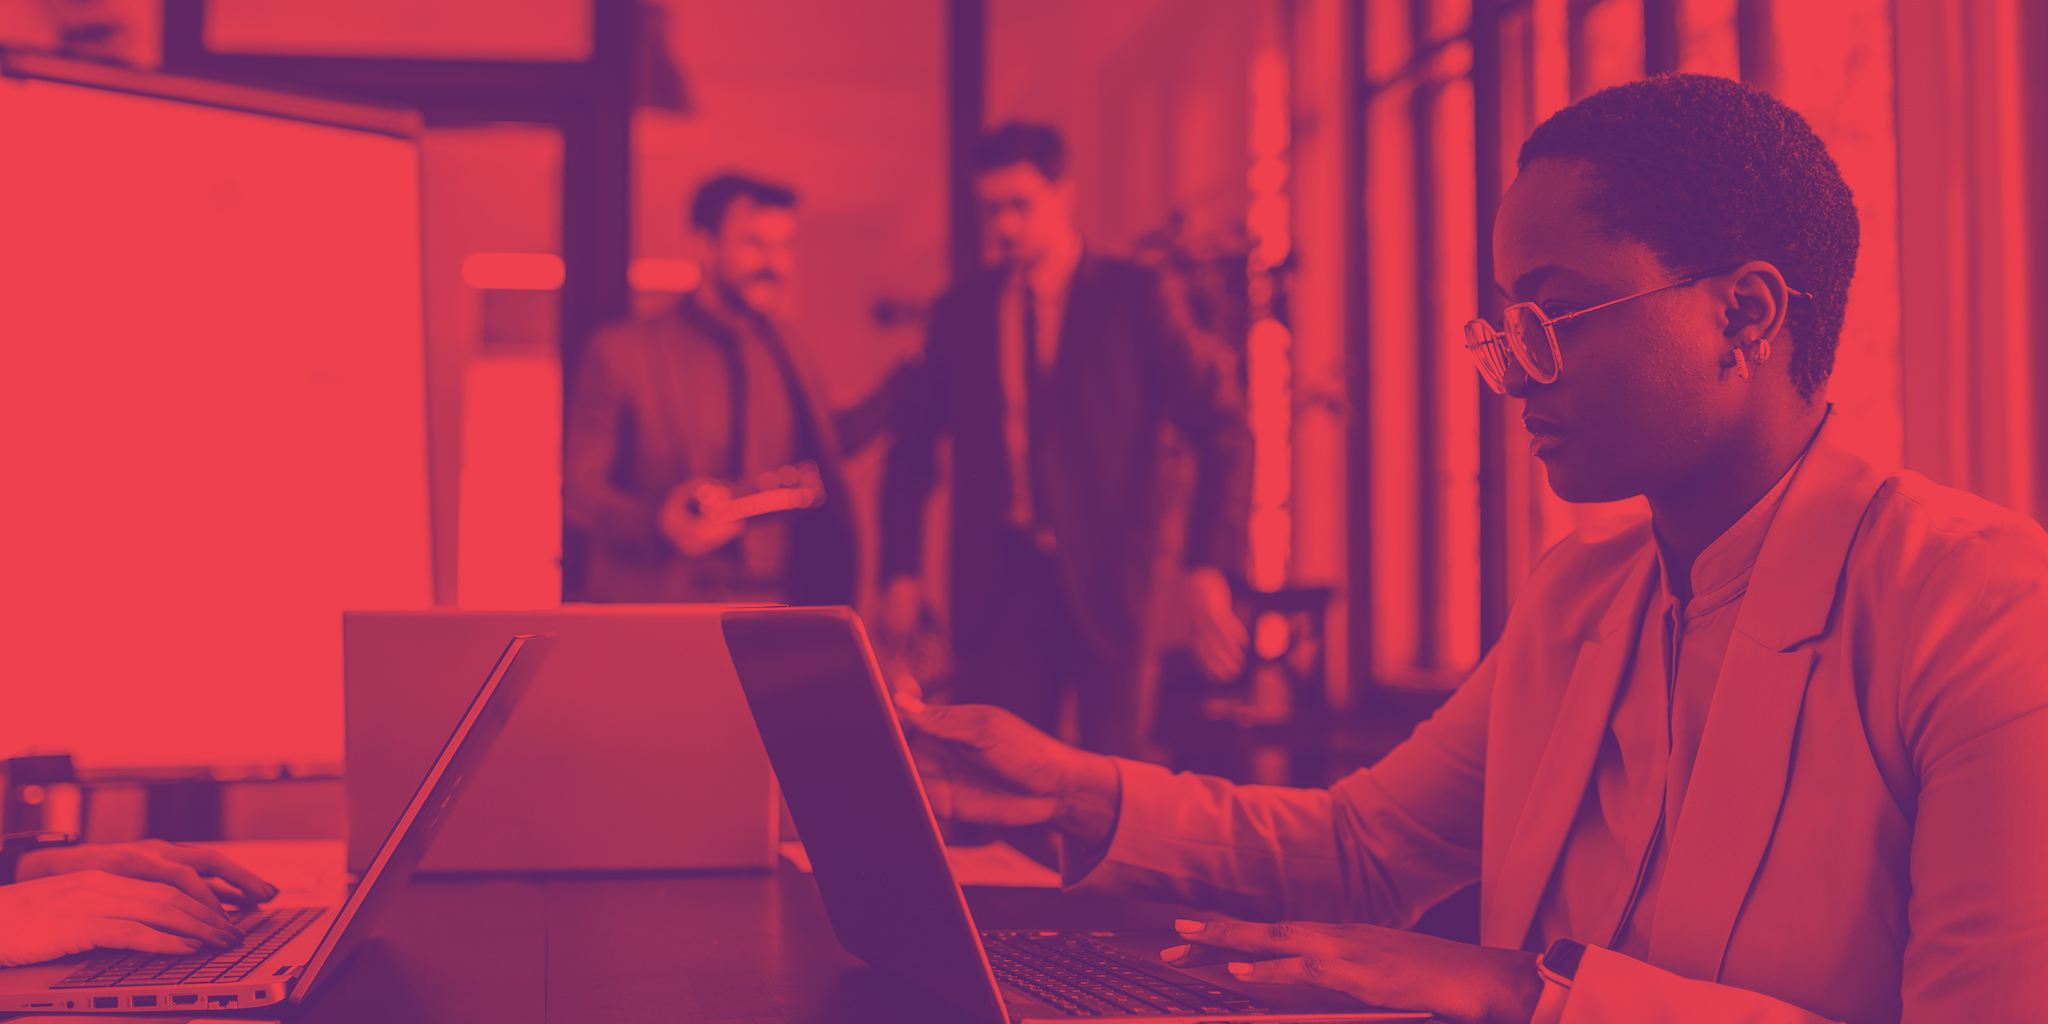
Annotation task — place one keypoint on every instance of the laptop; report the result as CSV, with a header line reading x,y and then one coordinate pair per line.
x,y
672,775
288,951
825,717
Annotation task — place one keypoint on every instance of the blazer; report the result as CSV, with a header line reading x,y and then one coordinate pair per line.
x,y
1865,836
622,455
1126,366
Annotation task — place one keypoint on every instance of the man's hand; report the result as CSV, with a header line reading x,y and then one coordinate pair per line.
x,y
206,876
1459,983
983,765
1220,638
695,531
902,606
70,913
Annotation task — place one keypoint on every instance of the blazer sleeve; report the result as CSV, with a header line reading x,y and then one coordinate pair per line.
x,y
863,423
1199,380
1973,709
599,408
1381,846
1615,989
918,418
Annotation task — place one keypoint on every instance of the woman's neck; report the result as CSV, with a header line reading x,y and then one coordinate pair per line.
x,y
1692,515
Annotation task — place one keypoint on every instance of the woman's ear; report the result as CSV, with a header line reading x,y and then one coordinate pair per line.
x,y
1756,304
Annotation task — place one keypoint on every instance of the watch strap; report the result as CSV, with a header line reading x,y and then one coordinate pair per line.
x,y
14,845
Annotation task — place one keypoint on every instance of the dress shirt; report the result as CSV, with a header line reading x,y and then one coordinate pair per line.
x,y
1044,282
1631,811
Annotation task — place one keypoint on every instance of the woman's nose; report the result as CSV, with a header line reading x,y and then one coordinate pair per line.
x,y
1517,381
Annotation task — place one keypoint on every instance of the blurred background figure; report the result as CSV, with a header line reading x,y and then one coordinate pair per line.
x,y
1053,371
697,455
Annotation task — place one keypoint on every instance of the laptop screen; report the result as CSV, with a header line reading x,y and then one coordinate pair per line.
x,y
415,829
825,718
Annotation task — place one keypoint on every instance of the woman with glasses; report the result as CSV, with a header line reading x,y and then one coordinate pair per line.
x,y
1774,754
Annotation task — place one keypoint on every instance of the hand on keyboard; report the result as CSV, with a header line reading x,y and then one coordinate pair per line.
x,y
205,875
1459,983
46,918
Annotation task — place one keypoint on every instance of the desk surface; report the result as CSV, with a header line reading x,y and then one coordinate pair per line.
x,y
731,949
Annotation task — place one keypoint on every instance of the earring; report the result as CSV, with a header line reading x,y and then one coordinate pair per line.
x,y
1741,365
1763,350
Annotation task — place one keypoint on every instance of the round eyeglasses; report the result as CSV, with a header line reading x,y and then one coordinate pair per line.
x,y
1490,347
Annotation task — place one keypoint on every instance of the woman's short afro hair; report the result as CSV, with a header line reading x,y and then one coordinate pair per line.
x,y
1711,173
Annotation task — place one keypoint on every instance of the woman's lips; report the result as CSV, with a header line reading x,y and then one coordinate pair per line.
x,y
1544,434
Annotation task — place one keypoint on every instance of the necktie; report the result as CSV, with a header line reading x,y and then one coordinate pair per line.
x,y
1038,403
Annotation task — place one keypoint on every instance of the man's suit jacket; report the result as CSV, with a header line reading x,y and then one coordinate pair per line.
x,y
622,453
1865,836
1125,366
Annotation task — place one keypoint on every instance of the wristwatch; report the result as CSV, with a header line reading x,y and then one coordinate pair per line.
x,y
1560,963
1557,967
14,844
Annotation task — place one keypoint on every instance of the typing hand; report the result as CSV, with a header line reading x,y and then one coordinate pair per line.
x,y
1459,983
983,765
1220,637
206,876
695,531
69,913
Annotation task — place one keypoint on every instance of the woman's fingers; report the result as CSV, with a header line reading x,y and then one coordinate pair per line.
x,y
1264,941
138,865
115,933
216,864
154,904
1321,971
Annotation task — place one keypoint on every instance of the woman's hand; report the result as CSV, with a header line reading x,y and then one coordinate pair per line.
x,y
204,875
70,913
983,765
1458,983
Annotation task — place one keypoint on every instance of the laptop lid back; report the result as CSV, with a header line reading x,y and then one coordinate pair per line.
x,y
831,733
414,832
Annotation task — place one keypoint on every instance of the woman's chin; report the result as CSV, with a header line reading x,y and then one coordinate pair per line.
x,y
1575,484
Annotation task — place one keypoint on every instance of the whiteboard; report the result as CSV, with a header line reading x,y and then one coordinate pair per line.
x,y
212,423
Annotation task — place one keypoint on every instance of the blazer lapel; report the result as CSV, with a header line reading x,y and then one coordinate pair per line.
x,y
1738,782
1077,326
1567,765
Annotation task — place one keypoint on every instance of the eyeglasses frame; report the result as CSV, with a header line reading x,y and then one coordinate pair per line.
x,y
1519,346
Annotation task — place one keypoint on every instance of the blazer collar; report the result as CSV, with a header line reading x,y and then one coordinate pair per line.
x,y
1792,588
1568,757
1746,750
1745,758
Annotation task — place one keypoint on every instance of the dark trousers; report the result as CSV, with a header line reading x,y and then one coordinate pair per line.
x,y
1035,654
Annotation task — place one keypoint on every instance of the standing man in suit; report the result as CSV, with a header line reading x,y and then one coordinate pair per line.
x,y
707,393
1054,371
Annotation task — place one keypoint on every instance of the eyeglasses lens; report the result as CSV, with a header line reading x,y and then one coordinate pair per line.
x,y
1489,350
1525,329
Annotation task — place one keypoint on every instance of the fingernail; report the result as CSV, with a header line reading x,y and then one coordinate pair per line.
x,y
910,703
1173,953
1187,927
1238,970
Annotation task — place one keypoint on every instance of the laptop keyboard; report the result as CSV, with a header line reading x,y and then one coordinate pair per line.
x,y
268,931
1085,977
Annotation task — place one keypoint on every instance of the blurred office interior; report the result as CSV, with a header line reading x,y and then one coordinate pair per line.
x,y
1318,176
